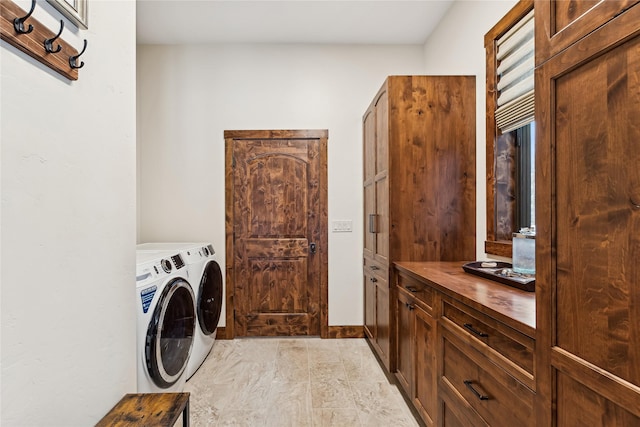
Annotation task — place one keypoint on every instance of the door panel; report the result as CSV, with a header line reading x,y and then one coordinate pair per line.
x,y
369,305
277,286
405,333
598,227
588,245
425,377
279,234
383,322
369,131
382,219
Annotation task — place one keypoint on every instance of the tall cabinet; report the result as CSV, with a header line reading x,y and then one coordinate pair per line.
x,y
419,187
588,213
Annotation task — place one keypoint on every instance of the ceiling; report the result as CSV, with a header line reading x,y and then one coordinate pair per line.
x,y
297,21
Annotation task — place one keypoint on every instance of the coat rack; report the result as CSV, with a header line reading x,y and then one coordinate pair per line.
x,y
27,34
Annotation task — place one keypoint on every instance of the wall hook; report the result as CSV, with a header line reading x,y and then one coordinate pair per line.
x,y
18,23
48,43
73,60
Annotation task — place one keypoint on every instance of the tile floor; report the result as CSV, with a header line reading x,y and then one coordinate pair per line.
x,y
294,382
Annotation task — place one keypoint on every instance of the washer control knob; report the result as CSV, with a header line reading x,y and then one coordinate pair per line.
x,y
205,251
166,265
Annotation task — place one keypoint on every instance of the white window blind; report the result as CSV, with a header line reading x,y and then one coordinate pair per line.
x,y
516,62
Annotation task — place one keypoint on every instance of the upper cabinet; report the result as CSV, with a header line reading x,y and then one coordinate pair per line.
x,y
559,24
588,213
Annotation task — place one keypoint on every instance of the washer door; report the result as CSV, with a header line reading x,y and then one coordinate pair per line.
x,y
210,298
170,333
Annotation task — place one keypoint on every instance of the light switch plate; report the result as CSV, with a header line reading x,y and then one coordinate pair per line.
x,y
342,226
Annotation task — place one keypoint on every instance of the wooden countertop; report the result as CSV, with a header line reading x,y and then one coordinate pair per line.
x,y
495,299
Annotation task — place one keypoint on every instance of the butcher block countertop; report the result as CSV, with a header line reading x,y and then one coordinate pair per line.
x,y
494,299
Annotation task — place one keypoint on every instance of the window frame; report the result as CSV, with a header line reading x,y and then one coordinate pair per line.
x,y
493,244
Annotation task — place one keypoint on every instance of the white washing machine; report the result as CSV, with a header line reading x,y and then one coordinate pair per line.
x,y
165,305
206,276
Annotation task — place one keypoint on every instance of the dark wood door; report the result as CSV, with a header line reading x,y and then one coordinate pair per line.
x,y
424,374
381,181
405,334
369,169
588,240
278,210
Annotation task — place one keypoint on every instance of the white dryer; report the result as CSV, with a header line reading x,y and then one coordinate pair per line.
x,y
165,305
206,276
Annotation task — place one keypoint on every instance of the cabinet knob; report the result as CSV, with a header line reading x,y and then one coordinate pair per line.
x,y
373,279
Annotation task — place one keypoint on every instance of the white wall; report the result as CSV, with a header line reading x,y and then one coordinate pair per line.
x,y
456,46
68,226
188,96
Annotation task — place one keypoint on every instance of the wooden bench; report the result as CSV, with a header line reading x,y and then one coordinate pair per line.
x,y
148,410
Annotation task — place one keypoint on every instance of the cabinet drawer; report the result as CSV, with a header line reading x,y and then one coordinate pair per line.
x,y
498,398
421,292
516,347
376,268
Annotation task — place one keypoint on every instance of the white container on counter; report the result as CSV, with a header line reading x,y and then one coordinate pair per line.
x,y
524,251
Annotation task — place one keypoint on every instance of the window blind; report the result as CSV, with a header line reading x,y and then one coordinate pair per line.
x,y
516,62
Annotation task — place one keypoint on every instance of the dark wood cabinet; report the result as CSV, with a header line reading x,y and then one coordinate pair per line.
x,y
416,338
486,366
588,219
377,322
483,391
425,389
419,185
465,347
559,24
405,336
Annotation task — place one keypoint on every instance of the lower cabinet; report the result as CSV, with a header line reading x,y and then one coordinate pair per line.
x,y
457,362
425,385
377,319
416,355
487,394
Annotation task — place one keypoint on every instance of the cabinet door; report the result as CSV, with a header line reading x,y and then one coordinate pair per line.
x,y
425,388
588,241
369,172
369,305
383,321
405,335
382,179
561,23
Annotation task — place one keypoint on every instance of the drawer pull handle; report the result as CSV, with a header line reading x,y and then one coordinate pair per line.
x,y
374,267
411,289
373,279
470,327
479,395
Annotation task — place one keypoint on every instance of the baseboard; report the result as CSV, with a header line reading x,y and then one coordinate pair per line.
x,y
346,331
221,333
356,331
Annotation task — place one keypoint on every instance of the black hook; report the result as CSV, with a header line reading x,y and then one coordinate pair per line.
x,y
73,59
18,23
48,43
